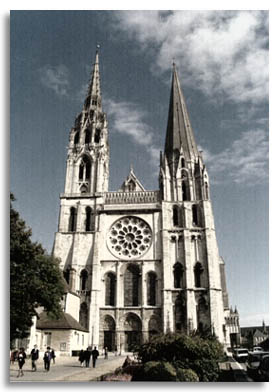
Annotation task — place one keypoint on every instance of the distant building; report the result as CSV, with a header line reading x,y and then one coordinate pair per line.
x,y
139,261
255,336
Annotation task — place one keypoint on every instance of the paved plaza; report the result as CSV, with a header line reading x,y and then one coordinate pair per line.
x,y
66,369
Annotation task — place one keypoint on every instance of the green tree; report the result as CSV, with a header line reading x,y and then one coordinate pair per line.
x,y
35,278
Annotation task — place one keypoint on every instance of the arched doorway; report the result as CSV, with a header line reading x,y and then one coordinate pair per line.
x,y
132,331
109,331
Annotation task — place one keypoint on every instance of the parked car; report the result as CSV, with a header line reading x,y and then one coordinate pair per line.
x,y
257,349
240,354
258,366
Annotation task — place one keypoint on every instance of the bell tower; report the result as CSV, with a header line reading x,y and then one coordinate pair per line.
x,y
192,295
88,150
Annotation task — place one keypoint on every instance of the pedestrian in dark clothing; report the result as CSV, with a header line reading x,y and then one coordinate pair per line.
x,y
81,357
105,353
53,356
34,356
47,359
87,355
95,355
21,357
13,356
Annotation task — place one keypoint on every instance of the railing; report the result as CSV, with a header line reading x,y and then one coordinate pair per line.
x,y
132,197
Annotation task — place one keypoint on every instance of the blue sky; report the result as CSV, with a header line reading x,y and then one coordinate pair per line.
x,y
222,60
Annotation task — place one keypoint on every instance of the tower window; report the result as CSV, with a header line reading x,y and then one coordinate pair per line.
x,y
94,102
89,221
85,169
83,279
206,191
176,220
195,214
151,289
76,138
72,219
87,136
97,135
198,269
178,276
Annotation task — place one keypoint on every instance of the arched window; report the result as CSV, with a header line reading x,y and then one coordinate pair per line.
x,y
87,139
175,216
198,269
110,289
131,286
88,221
72,219
182,162
177,276
185,186
180,315
97,135
76,138
206,191
83,279
151,289
195,220
85,169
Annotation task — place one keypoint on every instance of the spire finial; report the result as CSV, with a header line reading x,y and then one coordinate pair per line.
x,y
97,47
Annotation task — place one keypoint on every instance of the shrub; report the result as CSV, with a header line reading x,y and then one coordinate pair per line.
x,y
186,375
156,371
185,352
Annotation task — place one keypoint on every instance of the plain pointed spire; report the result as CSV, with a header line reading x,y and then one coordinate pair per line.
x,y
179,131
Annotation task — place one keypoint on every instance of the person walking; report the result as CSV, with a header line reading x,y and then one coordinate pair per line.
x,y
87,355
47,359
81,357
95,355
34,356
21,358
105,353
53,355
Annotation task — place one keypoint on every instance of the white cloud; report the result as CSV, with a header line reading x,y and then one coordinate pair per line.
x,y
245,162
55,78
129,119
218,52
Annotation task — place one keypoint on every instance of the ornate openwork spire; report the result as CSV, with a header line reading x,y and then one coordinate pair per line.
x,y
93,98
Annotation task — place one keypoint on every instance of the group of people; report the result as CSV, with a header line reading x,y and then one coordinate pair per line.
x,y
85,356
20,357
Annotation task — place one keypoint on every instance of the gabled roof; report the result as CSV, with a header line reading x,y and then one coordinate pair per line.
x,y
66,321
134,181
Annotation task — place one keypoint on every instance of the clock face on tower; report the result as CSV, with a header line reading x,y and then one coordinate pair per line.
x,y
129,237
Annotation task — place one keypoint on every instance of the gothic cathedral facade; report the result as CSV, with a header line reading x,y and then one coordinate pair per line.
x,y
140,262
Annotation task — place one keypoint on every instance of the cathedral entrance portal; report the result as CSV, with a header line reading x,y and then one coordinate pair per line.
x,y
132,331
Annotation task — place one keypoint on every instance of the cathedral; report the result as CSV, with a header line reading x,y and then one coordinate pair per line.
x,y
137,262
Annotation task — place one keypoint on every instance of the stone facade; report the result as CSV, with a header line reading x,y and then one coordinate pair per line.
x,y
141,262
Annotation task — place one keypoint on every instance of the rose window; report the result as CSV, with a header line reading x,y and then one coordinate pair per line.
x,y
129,237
